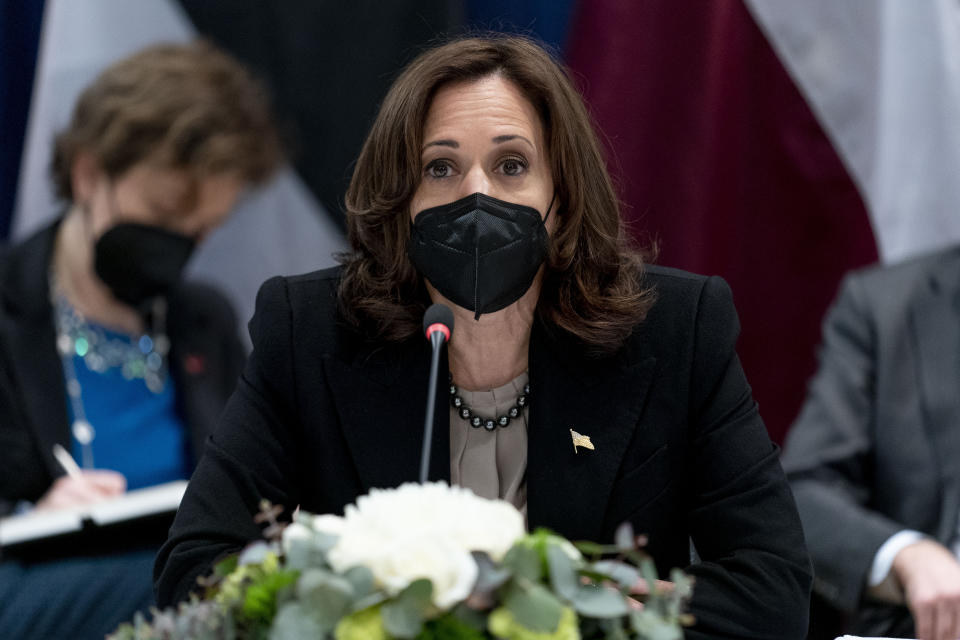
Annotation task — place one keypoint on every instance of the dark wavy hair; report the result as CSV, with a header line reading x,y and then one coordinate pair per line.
x,y
592,286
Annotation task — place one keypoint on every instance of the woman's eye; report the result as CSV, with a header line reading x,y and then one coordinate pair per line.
x,y
513,166
438,169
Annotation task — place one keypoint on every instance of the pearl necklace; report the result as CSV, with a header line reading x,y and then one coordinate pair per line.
x,y
487,423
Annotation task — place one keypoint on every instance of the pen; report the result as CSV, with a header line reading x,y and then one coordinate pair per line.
x,y
66,461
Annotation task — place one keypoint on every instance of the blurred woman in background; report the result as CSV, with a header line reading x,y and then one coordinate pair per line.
x,y
103,350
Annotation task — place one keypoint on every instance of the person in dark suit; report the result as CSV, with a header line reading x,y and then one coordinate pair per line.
x,y
874,455
482,186
103,350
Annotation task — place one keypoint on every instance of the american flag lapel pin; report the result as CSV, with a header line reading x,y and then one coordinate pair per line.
x,y
580,440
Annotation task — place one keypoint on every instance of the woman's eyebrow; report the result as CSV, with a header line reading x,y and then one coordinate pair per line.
x,y
508,138
453,144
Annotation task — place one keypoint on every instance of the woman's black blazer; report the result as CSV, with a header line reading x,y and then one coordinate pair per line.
x,y
322,415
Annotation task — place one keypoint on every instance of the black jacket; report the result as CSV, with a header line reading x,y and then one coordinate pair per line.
x,y
322,415
206,357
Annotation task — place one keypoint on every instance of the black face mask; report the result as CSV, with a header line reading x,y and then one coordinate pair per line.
x,y
479,252
140,262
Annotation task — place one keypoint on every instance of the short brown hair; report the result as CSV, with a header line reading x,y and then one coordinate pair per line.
x,y
188,107
592,286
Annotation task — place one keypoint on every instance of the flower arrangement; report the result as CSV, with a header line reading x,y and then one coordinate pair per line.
x,y
425,562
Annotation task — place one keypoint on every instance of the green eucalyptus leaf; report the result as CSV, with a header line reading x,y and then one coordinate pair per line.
x,y
682,583
450,627
361,579
254,553
324,541
226,566
648,571
368,601
588,548
533,606
469,617
293,622
402,619
262,596
403,616
592,575
650,626
563,575
623,574
613,629
325,595
599,602
489,576
419,592
299,553
310,551
524,561
636,556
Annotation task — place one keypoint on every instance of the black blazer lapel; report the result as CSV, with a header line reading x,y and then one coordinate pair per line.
x,y
206,358
38,371
599,398
381,403
935,328
34,362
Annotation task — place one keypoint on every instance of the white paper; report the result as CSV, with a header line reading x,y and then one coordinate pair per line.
x,y
134,504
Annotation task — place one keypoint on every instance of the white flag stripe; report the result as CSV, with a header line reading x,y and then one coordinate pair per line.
x,y
883,78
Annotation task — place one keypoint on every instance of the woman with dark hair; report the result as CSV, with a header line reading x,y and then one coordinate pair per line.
x,y
105,355
482,186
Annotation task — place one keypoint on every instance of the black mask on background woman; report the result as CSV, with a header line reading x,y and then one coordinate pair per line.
x,y
139,262
479,252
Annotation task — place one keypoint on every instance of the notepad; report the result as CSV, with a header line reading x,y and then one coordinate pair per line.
x,y
139,503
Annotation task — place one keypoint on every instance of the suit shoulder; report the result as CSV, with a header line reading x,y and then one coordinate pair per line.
x,y
309,304
305,292
885,284
686,304
315,292
909,270
676,277
680,290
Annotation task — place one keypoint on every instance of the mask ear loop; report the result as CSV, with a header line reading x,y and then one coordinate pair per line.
x,y
87,218
88,215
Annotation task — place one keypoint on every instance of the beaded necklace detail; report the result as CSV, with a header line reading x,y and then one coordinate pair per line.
x,y
487,423
141,358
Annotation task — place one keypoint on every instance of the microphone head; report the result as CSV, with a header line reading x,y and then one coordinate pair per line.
x,y
438,317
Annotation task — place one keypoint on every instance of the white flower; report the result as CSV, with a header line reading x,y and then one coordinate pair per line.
x,y
450,569
329,523
422,531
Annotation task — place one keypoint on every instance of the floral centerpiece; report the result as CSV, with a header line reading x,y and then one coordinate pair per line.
x,y
425,562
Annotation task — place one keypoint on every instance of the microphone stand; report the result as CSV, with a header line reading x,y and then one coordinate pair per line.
x,y
436,341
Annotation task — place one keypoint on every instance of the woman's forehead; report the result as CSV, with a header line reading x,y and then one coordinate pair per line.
x,y
489,105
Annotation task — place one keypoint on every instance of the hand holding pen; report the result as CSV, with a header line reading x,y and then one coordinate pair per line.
x,y
80,486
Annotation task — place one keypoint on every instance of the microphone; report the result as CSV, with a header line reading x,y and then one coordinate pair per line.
x,y
437,327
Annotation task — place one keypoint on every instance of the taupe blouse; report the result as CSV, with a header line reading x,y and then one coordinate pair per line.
x,y
491,463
